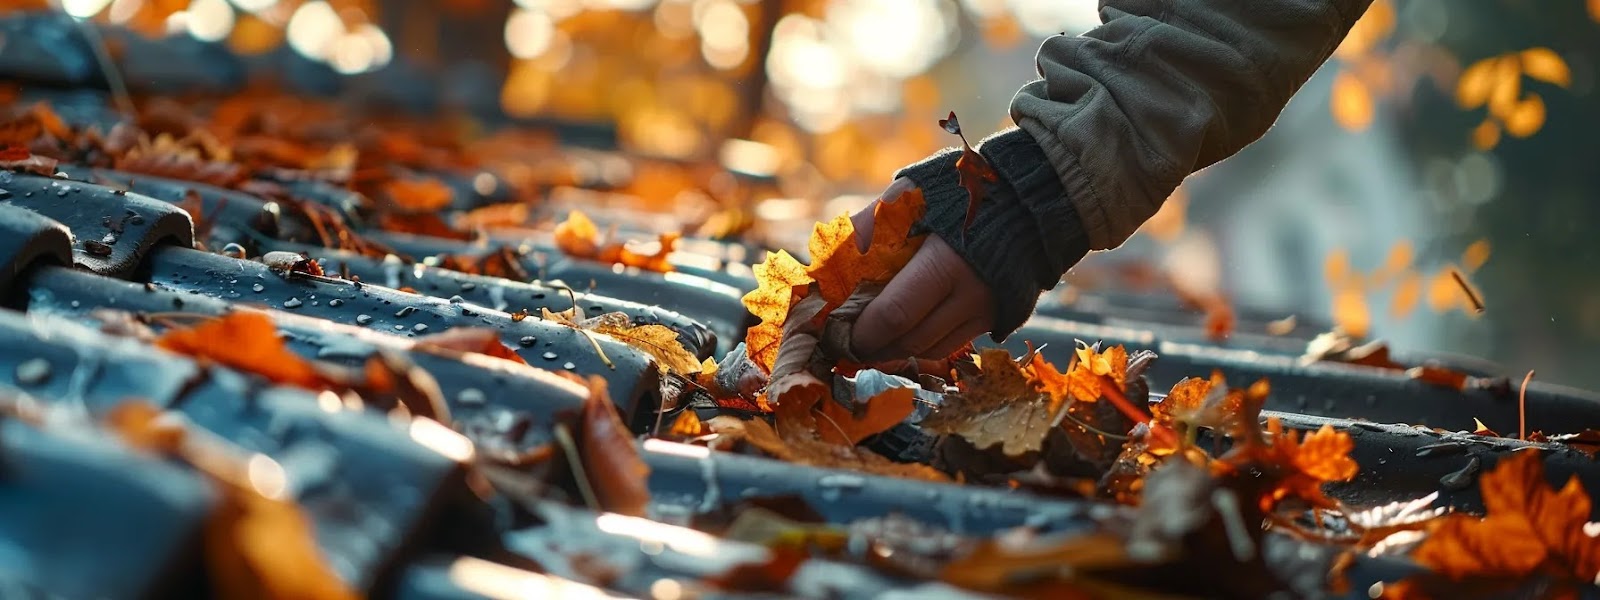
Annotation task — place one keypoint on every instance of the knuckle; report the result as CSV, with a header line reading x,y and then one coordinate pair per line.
x,y
893,315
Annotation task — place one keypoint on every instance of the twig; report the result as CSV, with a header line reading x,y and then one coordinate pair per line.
x,y
835,424
1090,428
575,462
1522,408
1477,303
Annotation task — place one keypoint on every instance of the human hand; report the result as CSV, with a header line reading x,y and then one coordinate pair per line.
x,y
935,305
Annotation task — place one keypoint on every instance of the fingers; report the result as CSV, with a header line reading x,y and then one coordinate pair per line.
x,y
920,287
956,314
957,338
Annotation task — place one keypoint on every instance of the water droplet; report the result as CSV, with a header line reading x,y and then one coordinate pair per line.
x,y
136,219
457,299
468,286
258,288
177,302
363,319
841,481
336,303
399,327
292,303
549,356
62,191
472,397
404,312
33,371
419,328
527,341
76,304
570,367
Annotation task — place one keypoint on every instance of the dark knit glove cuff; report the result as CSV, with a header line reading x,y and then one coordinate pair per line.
x,y
1026,234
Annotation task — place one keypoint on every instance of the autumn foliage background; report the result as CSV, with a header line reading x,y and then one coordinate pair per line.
x,y
1442,135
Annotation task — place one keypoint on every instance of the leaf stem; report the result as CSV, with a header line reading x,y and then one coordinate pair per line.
x,y
1522,407
569,448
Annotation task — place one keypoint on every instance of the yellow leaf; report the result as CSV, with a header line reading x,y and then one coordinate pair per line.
x,y
1406,295
1486,135
1526,118
1506,88
578,236
1475,255
1472,89
1350,312
778,276
1352,102
1545,65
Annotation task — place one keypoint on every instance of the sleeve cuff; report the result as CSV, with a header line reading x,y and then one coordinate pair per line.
x,y
1026,234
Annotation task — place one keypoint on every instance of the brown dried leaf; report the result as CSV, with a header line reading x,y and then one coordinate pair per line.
x,y
610,457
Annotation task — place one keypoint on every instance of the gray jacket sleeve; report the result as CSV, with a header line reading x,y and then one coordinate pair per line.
x,y
1122,114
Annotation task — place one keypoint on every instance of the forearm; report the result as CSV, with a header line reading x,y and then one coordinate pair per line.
x,y
1129,109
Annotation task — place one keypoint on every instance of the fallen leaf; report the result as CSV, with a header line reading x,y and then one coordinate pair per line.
x,y
658,341
1529,529
999,406
770,574
479,340
971,169
687,425
1083,377
258,543
15,158
578,236
839,266
805,450
1545,65
248,341
782,281
418,194
610,458
653,261
872,416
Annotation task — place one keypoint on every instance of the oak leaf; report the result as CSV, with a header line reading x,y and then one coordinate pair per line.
x,y
971,169
1000,405
658,341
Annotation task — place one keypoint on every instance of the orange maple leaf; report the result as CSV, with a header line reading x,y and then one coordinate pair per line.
x,y
247,341
1292,467
782,281
971,169
1528,528
839,266
1083,377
